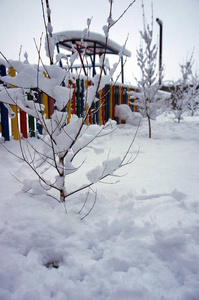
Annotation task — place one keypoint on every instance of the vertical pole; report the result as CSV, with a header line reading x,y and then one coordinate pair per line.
x,y
31,120
106,103
93,114
136,108
74,99
120,100
94,72
68,107
14,121
103,106
44,101
82,97
128,96
160,50
49,22
125,95
50,106
4,122
23,124
4,112
100,107
78,98
97,110
86,83
60,62
117,99
122,69
39,126
113,102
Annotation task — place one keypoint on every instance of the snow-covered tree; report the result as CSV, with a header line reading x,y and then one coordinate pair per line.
x,y
62,141
149,98
181,94
193,101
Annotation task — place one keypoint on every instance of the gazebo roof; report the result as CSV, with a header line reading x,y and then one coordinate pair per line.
x,y
95,43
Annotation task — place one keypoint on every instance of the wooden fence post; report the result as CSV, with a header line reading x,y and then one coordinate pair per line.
x,y
31,121
4,112
78,98
14,121
23,124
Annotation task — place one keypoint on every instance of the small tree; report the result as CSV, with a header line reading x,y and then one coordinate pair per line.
x,y
62,141
148,98
181,95
193,98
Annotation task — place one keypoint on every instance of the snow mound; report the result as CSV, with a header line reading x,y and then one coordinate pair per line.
x,y
124,112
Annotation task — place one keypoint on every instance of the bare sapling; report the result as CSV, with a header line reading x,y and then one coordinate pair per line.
x,y
63,138
193,94
184,92
149,98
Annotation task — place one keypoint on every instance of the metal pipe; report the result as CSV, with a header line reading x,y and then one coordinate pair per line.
x,y
160,23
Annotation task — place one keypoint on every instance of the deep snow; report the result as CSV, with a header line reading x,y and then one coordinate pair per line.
x,y
141,241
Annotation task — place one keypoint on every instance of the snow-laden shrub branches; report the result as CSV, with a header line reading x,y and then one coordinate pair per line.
x,y
49,45
63,139
149,99
193,99
184,92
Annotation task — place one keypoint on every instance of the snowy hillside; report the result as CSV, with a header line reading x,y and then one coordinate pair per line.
x,y
141,240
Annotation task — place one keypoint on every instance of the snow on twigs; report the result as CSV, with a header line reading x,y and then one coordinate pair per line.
x,y
108,167
28,77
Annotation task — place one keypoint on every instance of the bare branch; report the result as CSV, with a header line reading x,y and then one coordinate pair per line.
x,y
5,59
95,199
122,13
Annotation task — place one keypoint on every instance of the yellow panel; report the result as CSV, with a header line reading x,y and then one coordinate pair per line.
x,y
86,111
44,101
120,100
68,109
14,121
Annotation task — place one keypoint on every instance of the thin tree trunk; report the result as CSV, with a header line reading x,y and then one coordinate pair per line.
x,y
62,181
149,122
62,195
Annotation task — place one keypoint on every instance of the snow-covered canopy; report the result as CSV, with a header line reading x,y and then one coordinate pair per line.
x,y
95,42
90,44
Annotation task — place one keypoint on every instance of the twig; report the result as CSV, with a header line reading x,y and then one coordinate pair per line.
x,y
122,13
95,199
6,59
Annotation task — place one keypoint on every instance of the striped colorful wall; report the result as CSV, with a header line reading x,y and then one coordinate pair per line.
x,y
102,110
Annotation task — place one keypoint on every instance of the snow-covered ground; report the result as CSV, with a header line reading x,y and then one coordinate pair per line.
x,y
141,240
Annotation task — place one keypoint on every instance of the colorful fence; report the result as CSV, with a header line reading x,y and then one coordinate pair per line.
x,y
102,110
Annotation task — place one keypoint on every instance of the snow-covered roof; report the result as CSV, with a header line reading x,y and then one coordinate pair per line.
x,y
95,42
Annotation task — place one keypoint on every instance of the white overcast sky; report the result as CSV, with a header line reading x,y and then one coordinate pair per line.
x,y
21,21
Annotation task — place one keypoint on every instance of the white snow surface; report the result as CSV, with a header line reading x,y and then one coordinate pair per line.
x,y
140,241
123,112
92,36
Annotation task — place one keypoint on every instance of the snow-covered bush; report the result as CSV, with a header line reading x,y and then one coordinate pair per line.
x,y
185,94
149,99
62,141
193,101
